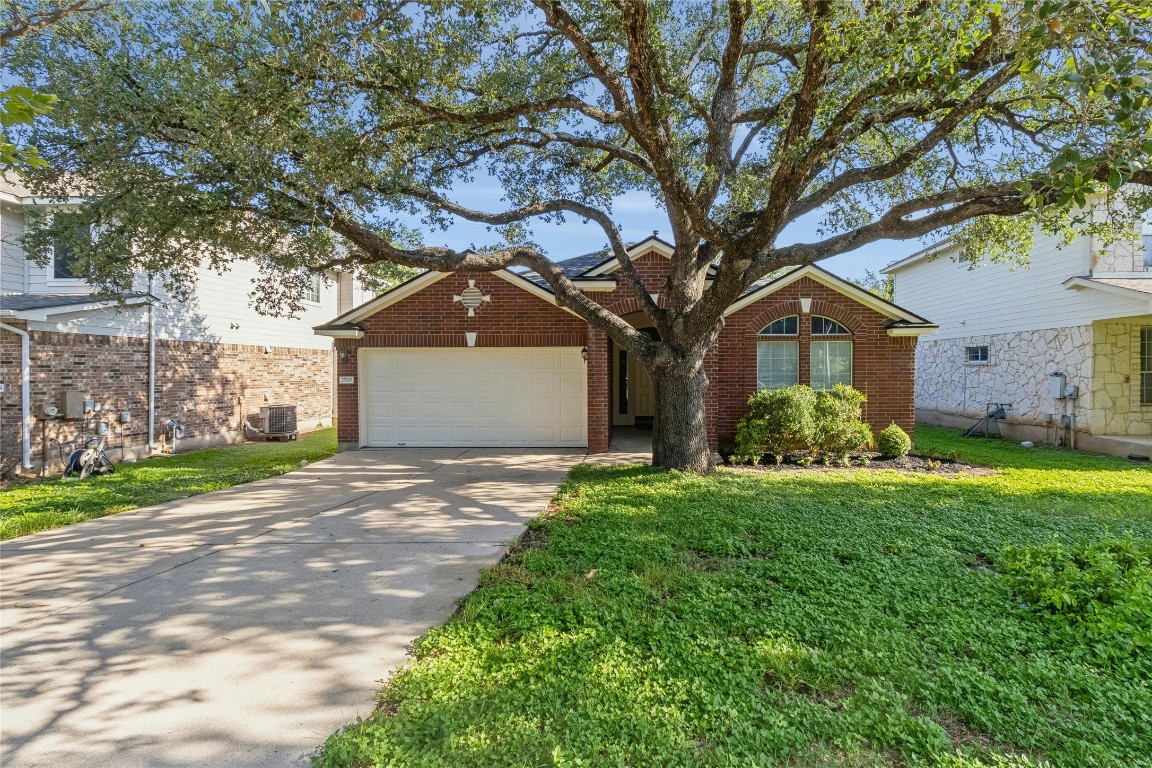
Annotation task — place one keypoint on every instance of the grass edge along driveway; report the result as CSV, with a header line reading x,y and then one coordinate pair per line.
x,y
781,618
52,503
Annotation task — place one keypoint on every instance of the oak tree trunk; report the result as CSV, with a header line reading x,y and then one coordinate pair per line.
x,y
679,430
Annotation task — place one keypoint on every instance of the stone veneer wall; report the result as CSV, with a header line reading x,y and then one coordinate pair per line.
x,y
1116,378
1017,373
210,388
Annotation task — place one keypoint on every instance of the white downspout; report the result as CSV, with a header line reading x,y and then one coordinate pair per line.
x,y
25,394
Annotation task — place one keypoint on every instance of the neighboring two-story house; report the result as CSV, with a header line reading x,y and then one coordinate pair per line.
x,y
1064,343
208,363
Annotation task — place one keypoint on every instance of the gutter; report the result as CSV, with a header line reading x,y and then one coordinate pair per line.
x,y
25,395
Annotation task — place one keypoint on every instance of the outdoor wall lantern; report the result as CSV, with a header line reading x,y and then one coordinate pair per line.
x,y
584,353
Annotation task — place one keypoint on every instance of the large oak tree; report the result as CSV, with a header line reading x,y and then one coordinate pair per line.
x,y
306,133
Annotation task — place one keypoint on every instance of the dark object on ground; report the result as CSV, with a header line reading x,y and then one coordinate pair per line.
x,y
1137,457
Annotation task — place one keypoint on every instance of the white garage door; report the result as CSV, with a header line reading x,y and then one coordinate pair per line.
x,y
478,396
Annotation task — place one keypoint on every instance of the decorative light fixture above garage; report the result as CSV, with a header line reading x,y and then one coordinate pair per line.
x,y
472,297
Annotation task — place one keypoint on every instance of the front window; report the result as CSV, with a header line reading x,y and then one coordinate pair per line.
x,y
69,262
1146,365
1148,252
778,354
831,356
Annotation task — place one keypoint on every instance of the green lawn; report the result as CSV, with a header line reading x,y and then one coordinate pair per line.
x,y
39,506
785,618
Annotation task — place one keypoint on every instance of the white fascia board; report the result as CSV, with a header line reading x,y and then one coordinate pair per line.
x,y
933,250
32,202
339,333
651,246
913,330
841,286
402,291
596,285
1080,283
44,314
531,287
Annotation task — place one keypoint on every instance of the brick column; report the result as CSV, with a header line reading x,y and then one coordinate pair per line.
x,y
599,394
347,396
712,371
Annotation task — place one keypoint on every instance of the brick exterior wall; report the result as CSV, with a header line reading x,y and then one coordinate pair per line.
x,y
210,388
883,366
430,318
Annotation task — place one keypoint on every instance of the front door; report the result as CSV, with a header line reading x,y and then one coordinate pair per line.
x,y
635,396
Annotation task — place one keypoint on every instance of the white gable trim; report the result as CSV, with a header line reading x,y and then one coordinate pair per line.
x,y
1080,283
417,284
651,245
531,287
932,251
860,295
402,291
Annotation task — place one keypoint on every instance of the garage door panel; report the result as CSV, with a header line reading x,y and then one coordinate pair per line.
x,y
474,397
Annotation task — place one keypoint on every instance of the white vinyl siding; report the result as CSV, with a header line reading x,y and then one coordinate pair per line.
x,y
831,364
1005,298
777,364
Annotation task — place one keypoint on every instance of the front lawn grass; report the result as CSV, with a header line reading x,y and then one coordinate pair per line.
x,y
795,619
52,503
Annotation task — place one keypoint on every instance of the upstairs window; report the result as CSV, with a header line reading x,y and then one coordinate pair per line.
x,y
778,354
69,262
831,356
1148,252
312,289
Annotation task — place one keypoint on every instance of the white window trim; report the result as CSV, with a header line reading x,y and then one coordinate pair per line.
x,y
319,278
969,361
66,281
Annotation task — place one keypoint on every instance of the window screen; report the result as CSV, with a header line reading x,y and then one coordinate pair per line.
x,y
831,364
777,364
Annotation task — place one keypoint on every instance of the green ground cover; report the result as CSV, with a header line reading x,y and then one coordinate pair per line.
x,y
815,618
38,506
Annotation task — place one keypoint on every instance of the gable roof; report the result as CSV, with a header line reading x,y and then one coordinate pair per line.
x,y
348,323
903,322
921,255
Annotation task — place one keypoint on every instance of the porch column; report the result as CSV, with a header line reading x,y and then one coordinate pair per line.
x,y
599,391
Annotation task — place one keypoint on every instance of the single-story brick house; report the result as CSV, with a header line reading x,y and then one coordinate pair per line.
x,y
489,359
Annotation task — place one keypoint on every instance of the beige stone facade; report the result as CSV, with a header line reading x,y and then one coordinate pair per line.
x,y
1116,408
1102,359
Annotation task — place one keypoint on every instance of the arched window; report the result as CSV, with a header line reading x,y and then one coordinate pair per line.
x,y
778,354
831,353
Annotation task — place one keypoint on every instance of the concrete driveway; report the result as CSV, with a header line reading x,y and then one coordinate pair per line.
x,y
240,628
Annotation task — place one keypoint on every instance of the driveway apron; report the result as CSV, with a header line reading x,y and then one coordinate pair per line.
x,y
241,627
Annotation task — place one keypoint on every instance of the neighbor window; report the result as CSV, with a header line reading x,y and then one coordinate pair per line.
x,y
1148,252
312,289
831,357
69,262
978,354
1146,365
777,356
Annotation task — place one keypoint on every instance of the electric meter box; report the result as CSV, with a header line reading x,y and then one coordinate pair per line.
x,y
1072,392
72,404
1056,386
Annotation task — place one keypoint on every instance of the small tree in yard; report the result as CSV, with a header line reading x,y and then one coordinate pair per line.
x,y
295,133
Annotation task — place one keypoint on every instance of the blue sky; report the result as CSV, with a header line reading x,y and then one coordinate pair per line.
x,y
638,217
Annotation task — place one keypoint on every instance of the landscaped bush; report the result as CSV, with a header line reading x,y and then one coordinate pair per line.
x,y
893,442
778,421
839,429
1098,594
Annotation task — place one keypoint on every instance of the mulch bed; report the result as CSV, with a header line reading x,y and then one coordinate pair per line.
x,y
912,463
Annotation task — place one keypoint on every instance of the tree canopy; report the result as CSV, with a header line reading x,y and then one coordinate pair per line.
x,y
305,133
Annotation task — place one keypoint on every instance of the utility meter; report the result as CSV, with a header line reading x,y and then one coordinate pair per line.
x,y
102,428
49,411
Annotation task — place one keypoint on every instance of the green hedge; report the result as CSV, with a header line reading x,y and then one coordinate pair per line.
x,y
799,420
